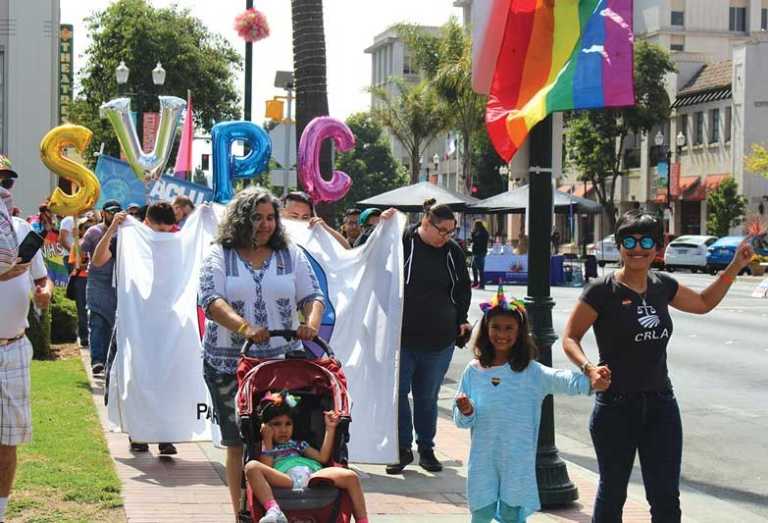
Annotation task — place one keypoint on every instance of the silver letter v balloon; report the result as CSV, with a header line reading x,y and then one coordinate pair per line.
x,y
118,112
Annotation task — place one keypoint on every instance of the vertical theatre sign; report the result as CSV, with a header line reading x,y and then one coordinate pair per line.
x,y
66,76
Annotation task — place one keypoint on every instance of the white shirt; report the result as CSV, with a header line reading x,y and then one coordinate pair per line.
x,y
15,293
67,224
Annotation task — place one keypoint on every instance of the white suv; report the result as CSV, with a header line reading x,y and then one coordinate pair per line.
x,y
605,251
688,252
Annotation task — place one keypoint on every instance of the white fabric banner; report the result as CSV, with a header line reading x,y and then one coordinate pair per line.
x,y
156,388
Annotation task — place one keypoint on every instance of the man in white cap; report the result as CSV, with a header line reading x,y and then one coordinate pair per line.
x,y
16,285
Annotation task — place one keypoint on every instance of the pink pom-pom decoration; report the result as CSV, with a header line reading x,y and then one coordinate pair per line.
x,y
252,25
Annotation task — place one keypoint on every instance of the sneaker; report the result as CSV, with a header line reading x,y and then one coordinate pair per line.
x,y
97,369
406,457
138,447
428,461
167,449
274,515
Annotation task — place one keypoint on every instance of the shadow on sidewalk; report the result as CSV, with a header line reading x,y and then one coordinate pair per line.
x,y
165,471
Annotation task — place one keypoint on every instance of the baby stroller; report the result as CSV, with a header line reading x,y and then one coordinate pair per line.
x,y
322,386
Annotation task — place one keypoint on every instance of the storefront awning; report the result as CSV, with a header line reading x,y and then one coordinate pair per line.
x,y
693,188
580,189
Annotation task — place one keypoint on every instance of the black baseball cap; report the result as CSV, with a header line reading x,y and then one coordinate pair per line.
x,y
112,206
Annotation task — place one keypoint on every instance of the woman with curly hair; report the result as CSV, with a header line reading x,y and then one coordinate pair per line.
x,y
251,281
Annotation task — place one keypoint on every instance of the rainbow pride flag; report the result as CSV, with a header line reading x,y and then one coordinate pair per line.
x,y
551,56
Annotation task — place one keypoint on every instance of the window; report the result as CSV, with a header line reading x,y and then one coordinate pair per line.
x,y
737,19
678,18
205,162
683,126
677,47
2,101
677,43
408,67
727,126
714,126
764,19
698,128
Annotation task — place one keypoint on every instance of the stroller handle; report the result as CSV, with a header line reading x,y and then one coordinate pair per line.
x,y
290,334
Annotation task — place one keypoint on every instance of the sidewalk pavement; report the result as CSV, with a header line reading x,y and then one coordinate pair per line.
x,y
190,485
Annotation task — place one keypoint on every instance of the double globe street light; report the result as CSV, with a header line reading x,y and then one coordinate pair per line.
x,y
658,140
122,72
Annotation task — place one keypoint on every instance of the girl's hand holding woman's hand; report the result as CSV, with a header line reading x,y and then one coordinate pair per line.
x,y
600,378
332,418
306,332
464,405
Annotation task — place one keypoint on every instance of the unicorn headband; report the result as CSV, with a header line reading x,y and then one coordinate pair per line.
x,y
500,301
277,398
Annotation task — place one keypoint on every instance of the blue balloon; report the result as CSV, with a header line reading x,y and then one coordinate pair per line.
x,y
226,166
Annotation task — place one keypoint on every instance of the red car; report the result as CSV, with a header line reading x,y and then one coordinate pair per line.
x,y
658,260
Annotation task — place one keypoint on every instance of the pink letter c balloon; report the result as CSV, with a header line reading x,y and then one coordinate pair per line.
x,y
312,138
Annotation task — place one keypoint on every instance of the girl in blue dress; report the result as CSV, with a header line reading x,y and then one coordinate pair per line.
x,y
499,400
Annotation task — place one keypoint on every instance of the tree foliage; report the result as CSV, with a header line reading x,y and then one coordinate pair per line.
x,y
725,208
595,139
370,164
446,61
413,114
142,35
487,162
757,162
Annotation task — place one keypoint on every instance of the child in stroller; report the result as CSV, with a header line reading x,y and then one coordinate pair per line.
x,y
286,463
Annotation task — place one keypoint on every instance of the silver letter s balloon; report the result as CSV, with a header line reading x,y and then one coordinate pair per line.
x,y
118,112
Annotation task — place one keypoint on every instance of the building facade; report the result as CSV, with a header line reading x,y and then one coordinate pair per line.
x,y
29,91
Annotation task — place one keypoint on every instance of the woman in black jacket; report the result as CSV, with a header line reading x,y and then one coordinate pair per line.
x,y
437,298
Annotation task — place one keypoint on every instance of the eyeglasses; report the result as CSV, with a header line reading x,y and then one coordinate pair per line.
x,y
646,242
443,232
7,183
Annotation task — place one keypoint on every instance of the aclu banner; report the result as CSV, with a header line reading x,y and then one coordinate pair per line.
x,y
118,182
166,188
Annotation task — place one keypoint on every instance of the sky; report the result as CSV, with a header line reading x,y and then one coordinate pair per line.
x,y
350,26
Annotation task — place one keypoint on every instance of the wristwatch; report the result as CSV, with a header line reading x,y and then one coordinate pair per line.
x,y
584,368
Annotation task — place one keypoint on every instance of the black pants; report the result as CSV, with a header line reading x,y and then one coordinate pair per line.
x,y
646,423
478,270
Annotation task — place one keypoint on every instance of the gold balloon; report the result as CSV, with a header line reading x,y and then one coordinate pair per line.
x,y
52,154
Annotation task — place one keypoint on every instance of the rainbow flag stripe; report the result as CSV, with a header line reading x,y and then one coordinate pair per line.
x,y
556,56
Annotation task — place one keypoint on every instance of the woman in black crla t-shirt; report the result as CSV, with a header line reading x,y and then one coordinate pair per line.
x,y
629,312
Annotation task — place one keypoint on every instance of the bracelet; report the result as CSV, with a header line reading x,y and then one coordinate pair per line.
x,y
242,328
727,279
584,367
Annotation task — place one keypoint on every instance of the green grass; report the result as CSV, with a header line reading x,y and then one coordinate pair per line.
x,y
66,472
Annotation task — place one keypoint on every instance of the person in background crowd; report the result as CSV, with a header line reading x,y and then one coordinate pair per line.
x,y
160,218
437,298
351,227
134,209
298,205
252,280
638,414
555,241
368,220
182,207
66,240
8,242
100,294
16,285
45,225
479,251
79,280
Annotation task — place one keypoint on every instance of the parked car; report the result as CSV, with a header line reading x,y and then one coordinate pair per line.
x,y
658,260
605,251
688,252
722,252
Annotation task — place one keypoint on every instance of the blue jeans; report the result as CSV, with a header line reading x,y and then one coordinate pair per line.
x,y
82,310
421,371
646,423
100,336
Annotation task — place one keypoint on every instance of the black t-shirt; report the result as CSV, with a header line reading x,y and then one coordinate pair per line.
x,y
430,318
480,242
632,331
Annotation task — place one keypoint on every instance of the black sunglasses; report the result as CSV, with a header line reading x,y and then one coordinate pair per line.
x,y
7,183
646,242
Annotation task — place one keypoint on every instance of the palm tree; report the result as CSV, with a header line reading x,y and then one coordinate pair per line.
x,y
446,61
413,116
309,68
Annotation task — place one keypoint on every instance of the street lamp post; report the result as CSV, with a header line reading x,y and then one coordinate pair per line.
x,y
436,164
122,72
680,142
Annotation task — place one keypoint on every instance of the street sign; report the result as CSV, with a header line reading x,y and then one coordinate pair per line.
x,y
277,135
277,177
662,172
